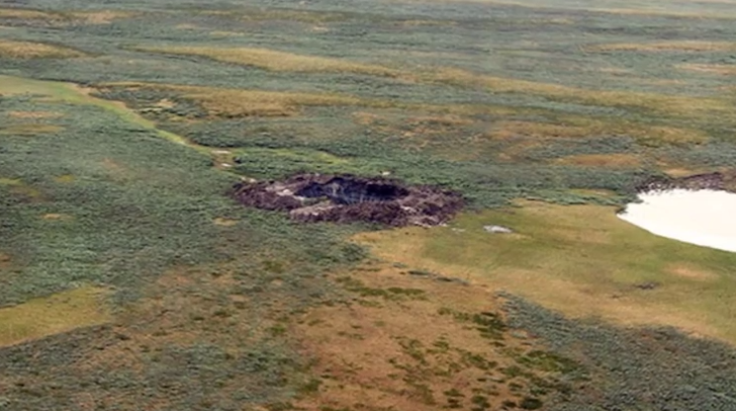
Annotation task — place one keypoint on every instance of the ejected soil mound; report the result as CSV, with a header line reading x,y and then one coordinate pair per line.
x,y
347,198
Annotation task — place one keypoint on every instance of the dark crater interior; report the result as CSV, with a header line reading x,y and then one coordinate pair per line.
x,y
348,198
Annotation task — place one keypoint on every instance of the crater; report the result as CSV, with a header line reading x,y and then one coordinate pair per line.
x,y
348,198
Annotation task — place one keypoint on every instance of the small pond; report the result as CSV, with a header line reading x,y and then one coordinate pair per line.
x,y
702,217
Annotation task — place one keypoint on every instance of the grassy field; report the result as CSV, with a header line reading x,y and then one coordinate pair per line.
x,y
129,280
58,313
579,260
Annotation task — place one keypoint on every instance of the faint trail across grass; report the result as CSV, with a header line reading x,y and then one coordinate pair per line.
x,y
74,94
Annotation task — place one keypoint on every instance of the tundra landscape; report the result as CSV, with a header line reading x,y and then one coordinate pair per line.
x,y
388,205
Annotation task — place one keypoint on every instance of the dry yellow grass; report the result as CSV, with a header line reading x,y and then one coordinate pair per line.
x,y
449,120
283,61
56,217
31,194
430,23
237,103
363,347
224,222
65,179
723,69
594,192
579,127
669,134
510,129
55,314
244,103
27,14
27,50
666,11
666,46
660,103
34,114
29,129
692,272
642,8
101,17
10,182
61,19
277,60
219,33
601,160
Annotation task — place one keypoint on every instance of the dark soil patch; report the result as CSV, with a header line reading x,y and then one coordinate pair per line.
x,y
347,198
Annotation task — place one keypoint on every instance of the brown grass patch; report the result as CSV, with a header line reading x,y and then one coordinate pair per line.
x,y
664,104
61,19
691,272
593,192
10,182
5,261
34,114
261,14
65,179
722,69
449,120
101,17
29,50
601,160
220,102
365,119
641,9
676,168
504,130
30,194
26,14
29,129
276,60
56,217
578,127
615,70
678,172
427,23
221,34
668,134
224,222
666,46
81,307
405,354
165,103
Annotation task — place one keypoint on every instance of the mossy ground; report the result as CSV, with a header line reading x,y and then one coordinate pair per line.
x,y
120,139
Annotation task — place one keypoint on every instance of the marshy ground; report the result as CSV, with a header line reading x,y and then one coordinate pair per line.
x,y
130,280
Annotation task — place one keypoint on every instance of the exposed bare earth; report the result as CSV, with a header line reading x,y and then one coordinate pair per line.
x,y
347,198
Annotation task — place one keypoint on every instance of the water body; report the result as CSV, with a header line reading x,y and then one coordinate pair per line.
x,y
702,217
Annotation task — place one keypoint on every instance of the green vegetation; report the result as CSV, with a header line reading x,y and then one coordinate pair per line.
x,y
82,307
391,293
129,280
593,260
